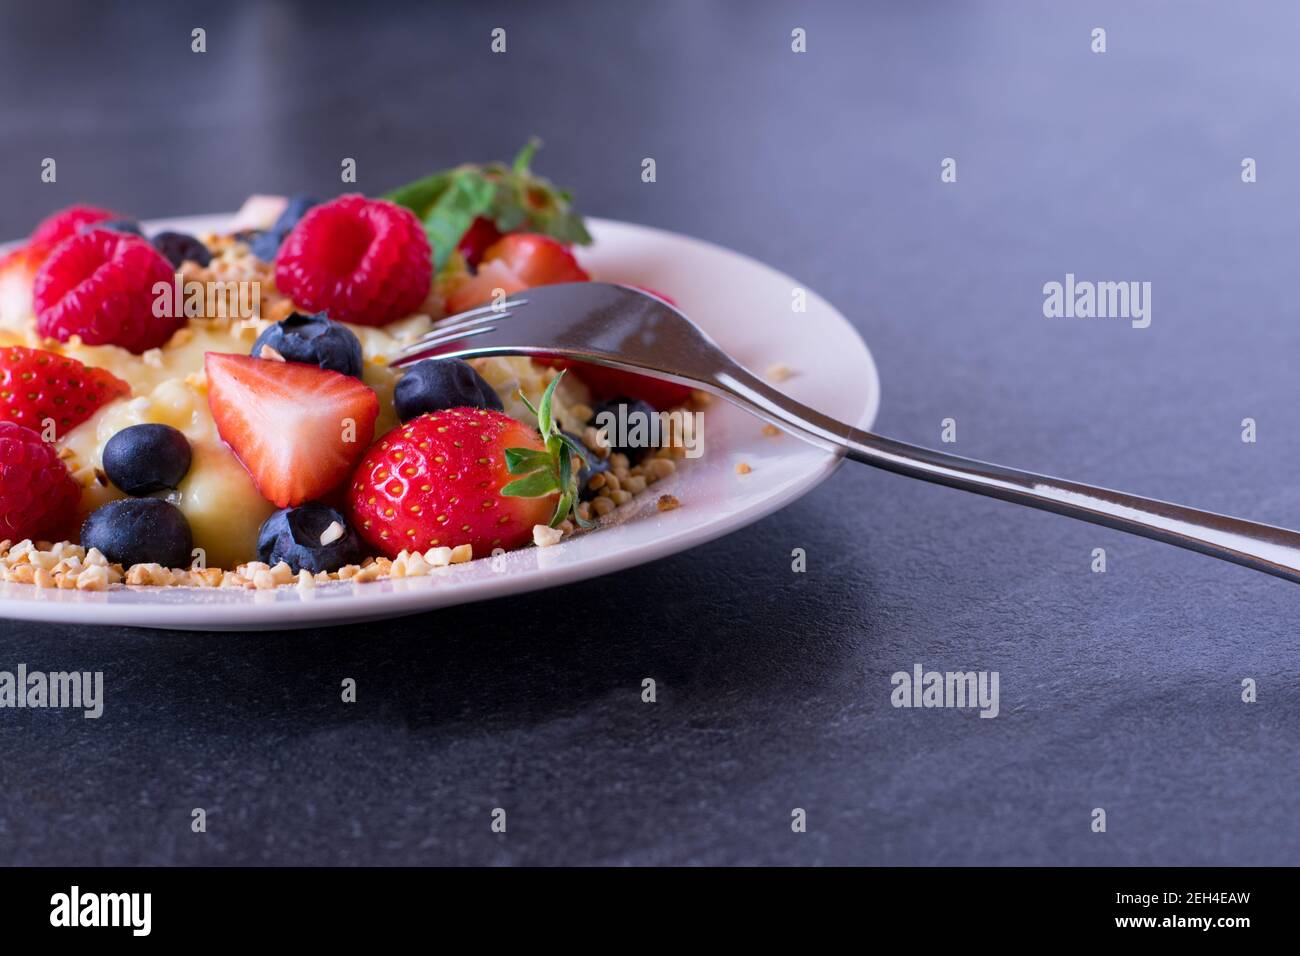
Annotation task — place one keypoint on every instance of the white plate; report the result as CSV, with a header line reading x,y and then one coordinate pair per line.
x,y
743,304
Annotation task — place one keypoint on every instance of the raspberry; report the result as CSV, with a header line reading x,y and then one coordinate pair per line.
x,y
66,223
364,261
38,498
99,285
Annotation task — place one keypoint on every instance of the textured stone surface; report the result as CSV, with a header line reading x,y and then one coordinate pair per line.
x,y
1118,690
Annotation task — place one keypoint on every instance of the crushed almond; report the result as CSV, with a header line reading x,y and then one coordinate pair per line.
x,y
779,372
544,535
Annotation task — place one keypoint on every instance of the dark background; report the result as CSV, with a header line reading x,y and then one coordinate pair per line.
x,y
1119,690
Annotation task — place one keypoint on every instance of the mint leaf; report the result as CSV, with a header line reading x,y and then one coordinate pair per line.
x,y
513,197
466,196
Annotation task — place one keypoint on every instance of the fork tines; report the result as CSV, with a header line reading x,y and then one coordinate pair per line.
x,y
463,325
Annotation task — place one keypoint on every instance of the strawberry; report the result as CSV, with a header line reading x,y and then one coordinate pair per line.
x,y
298,429
516,262
452,477
481,234
36,386
38,498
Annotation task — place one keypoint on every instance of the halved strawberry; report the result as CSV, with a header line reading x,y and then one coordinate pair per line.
x,y
298,429
516,262
38,386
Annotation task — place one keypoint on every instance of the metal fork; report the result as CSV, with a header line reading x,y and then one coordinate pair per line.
x,y
631,330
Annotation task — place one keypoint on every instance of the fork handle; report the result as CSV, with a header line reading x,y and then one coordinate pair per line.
x,y
1262,547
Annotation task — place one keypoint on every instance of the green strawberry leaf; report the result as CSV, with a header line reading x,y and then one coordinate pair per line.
x,y
521,461
549,471
536,485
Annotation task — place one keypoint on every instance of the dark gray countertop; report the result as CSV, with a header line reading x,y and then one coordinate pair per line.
x,y
1119,690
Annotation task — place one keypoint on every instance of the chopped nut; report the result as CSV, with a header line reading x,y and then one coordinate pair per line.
x,y
544,536
305,580
636,484
270,354
771,431
438,557
602,505
742,468
43,559
332,533
581,413
779,372
462,553
93,578
661,467
668,503
152,357
620,496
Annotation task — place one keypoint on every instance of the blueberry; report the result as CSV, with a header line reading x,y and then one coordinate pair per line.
x,y
292,535
177,247
592,465
313,340
142,459
139,531
115,225
631,421
435,384
267,245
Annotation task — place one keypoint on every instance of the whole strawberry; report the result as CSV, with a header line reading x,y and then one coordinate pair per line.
x,y
38,498
37,387
99,285
452,477
364,261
